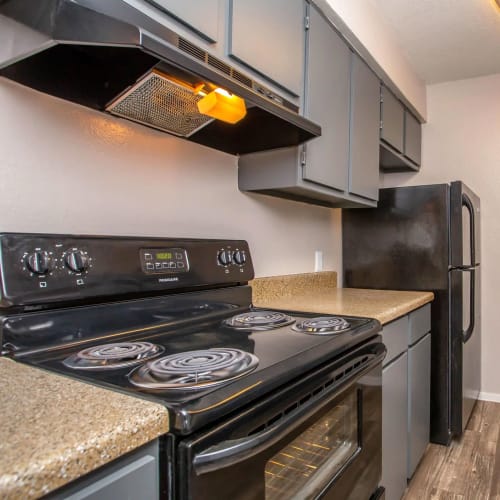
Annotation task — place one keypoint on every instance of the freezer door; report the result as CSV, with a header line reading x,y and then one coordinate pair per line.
x,y
465,344
464,226
402,244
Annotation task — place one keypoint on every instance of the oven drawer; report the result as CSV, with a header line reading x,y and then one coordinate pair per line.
x,y
319,437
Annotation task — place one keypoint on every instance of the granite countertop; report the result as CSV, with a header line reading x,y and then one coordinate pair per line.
x,y
54,429
318,292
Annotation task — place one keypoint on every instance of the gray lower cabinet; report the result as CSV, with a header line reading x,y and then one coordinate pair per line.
x,y
394,426
405,398
269,36
419,383
129,478
201,16
340,168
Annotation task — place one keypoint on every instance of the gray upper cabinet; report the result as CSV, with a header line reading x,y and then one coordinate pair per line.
x,y
201,16
327,103
413,138
268,37
400,135
364,130
392,116
340,168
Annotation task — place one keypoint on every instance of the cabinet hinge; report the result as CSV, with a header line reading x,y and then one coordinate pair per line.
x,y
306,22
303,157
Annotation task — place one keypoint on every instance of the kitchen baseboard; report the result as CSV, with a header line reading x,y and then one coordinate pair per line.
x,y
489,396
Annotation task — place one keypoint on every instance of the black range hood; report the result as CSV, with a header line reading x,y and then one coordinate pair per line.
x,y
94,52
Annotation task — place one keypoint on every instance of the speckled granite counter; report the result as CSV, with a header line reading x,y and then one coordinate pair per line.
x,y
318,292
54,429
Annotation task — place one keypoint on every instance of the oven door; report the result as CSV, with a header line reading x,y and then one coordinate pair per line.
x,y
319,437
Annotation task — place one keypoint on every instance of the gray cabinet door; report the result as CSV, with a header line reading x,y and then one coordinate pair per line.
x,y
395,427
364,130
419,385
201,16
413,138
327,103
268,36
129,478
392,115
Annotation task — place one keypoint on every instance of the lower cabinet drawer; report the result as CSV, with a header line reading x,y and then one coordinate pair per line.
x,y
135,476
395,338
420,324
395,427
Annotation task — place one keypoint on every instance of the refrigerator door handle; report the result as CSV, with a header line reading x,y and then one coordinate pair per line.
x,y
467,333
467,203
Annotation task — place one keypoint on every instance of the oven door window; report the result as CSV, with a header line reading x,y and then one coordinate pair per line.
x,y
305,465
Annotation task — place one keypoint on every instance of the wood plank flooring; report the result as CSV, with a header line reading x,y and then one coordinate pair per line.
x,y
469,469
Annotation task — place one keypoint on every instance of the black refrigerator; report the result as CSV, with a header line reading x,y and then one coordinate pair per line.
x,y
428,238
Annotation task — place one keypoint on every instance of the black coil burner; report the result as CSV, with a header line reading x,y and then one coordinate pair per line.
x,y
111,356
259,320
193,370
322,325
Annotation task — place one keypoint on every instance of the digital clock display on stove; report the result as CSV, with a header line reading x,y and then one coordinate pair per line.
x,y
164,256
164,260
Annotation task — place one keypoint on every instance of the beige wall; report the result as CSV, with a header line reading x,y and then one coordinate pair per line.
x,y
373,31
461,141
67,169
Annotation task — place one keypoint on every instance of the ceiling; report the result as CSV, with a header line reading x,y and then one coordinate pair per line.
x,y
446,40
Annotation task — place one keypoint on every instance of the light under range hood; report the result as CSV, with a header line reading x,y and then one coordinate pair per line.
x,y
109,56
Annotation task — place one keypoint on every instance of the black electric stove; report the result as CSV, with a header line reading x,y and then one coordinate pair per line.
x,y
168,320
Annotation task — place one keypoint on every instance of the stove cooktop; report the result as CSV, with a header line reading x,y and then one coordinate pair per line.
x,y
140,359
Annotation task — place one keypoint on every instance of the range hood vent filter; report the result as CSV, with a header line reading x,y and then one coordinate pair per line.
x,y
157,101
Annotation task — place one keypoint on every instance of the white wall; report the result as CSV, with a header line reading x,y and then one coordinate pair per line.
x,y
461,141
67,169
366,22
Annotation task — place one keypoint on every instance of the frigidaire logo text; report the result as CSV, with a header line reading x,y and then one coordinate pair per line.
x,y
163,280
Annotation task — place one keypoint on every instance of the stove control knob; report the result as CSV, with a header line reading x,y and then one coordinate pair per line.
x,y
39,262
76,261
224,257
239,257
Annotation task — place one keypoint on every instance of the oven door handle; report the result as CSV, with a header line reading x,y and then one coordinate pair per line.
x,y
234,451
